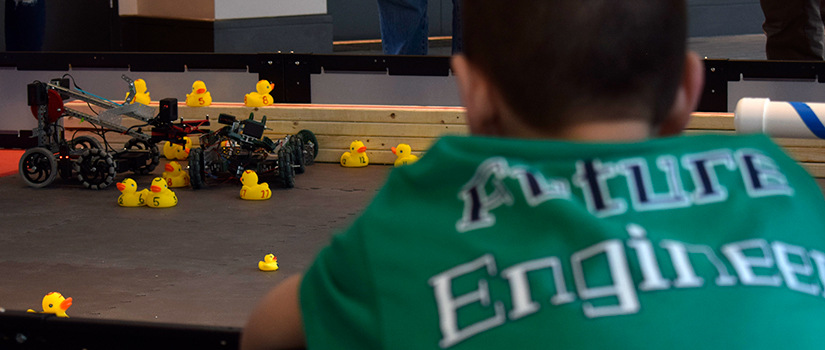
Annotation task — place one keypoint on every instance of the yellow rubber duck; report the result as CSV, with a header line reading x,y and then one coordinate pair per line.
x,y
199,96
55,303
404,153
130,196
356,157
261,97
175,176
270,263
252,190
173,150
141,95
161,196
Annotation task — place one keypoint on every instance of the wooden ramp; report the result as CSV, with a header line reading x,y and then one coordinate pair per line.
x,y
808,152
382,127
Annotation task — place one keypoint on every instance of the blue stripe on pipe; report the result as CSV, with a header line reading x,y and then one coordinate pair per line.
x,y
809,118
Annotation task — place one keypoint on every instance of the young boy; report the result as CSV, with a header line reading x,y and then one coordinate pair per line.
x,y
566,221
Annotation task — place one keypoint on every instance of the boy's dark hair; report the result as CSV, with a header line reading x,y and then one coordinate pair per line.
x,y
551,57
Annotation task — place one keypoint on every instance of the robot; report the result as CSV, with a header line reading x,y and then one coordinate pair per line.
x,y
84,157
240,145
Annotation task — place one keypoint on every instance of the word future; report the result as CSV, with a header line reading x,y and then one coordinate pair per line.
x,y
760,174
486,192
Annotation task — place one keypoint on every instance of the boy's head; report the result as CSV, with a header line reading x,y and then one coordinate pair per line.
x,y
556,64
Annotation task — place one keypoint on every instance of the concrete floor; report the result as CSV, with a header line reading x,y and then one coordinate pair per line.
x,y
196,263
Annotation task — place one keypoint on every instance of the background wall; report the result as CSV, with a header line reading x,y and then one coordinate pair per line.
x,y
358,19
2,28
186,26
81,26
224,86
71,29
724,17
222,9
233,9
190,9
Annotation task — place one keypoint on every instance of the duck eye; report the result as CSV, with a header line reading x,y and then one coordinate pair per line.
x,y
51,305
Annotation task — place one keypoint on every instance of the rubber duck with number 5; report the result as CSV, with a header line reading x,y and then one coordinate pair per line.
x,y
161,196
261,97
199,96
356,157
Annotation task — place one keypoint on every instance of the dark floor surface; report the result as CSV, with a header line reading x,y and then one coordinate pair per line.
x,y
196,263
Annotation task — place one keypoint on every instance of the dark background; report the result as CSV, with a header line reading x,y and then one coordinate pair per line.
x,y
94,25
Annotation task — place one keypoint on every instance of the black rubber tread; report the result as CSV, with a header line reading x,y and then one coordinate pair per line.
x,y
84,142
285,172
298,155
196,171
77,146
154,154
309,140
95,169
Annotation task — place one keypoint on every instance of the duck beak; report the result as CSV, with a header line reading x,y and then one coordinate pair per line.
x,y
121,186
65,304
271,87
169,167
200,91
155,189
362,149
393,150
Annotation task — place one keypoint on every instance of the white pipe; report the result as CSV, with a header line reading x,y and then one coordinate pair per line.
x,y
780,119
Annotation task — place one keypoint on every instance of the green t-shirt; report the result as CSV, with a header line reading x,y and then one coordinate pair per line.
x,y
485,243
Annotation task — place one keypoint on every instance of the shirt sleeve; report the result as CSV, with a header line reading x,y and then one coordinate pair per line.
x,y
337,298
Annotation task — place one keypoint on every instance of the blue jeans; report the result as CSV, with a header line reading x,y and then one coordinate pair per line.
x,y
405,26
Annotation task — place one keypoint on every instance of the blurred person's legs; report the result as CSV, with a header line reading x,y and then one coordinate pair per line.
x,y
794,29
404,26
457,42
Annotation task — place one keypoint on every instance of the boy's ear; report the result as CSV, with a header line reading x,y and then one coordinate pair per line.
x,y
477,97
687,96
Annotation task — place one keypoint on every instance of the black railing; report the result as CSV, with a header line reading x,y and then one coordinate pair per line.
x,y
293,71
22,330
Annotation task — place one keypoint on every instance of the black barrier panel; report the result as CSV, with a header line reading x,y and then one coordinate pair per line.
x,y
21,330
715,93
22,139
292,71
778,70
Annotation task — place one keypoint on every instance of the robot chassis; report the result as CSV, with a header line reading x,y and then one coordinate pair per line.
x,y
226,153
83,156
